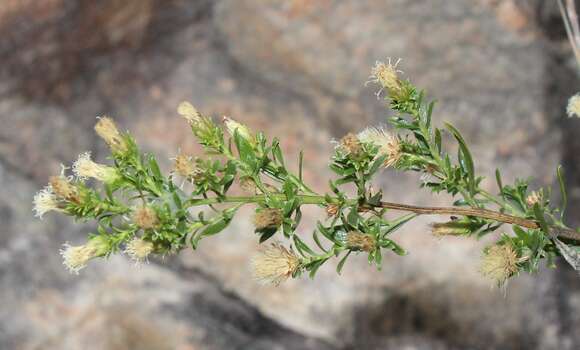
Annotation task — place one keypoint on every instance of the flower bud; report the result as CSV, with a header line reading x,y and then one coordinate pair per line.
x,y
184,165
232,126
499,263
44,201
75,258
533,198
573,108
388,144
332,210
139,249
275,264
84,168
108,131
145,217
63,189
189,112
351,145
268,218
360,241
450,228
387,76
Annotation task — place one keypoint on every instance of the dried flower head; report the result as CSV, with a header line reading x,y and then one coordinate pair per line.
x,y
275,264
351,145
268,218
184,165
63,189
139,249
451,228
44,201
108,131
332,210
248,185
388,144
75,258
84,168
189,112
232,126
387,76
499,263
573,108
533,198
145,217
360,241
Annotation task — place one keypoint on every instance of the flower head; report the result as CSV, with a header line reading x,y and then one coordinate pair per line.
x,y
184,165
573,108
145,217
139,249
332,210
248,185
387,76
533,198
388,144
63,189
84,168
233,126
108,131
360,241
44,201
351,145
268,218
75,258
189,112
275,264
499,263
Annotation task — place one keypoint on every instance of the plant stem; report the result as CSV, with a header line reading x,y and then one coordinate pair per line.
x,y
423,210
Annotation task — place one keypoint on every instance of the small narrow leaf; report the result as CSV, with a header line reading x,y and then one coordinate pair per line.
x,y
466,157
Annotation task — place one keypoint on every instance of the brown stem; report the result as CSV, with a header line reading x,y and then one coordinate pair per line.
x,y
482,213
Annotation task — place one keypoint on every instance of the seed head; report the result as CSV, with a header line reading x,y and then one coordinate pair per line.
x,y
189,112
184,165
275,264
232,126
63,189
360,241
139,249
573,108
387,76
84,168
44,201
75,258
388,144
499,263
351,145
145,217
533,198
108,131
248,185
268,218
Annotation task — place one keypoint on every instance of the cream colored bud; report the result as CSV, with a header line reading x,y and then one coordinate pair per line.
x,y
573,108
184,166
44,201
189,112
145,217
360,241
233,126
84,168
75,258
275,264
108,131
139,249
533,198
388,144
351,145
387,76
63,189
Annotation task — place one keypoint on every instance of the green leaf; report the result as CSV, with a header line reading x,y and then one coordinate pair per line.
x,y
398,223
302,247
155,168
562,190
342,261
317,241
300,164
467,159
277,152
539,214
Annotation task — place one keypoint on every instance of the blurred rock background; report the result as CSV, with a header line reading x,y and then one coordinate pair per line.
x,y
500,69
